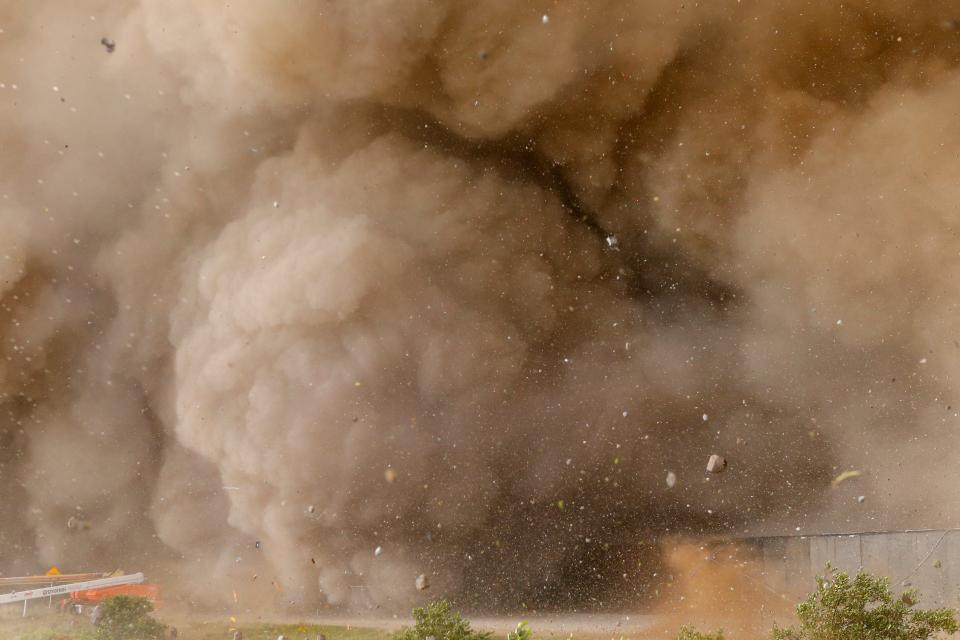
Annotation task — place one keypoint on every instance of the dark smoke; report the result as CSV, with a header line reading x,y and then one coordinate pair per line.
x,y
282,283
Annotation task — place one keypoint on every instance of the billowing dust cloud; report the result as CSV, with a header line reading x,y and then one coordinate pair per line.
x,y
716,586
283,283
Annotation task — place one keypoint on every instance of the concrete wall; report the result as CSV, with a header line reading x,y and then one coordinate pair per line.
x,y
925,560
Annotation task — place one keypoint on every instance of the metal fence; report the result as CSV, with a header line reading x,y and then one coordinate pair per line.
x,y
927,560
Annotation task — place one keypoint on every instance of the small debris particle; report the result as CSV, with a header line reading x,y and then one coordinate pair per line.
x,y
937,564
422,583
861,499
716,464
545,19
390,474
108,44
846,475
377,552
671,479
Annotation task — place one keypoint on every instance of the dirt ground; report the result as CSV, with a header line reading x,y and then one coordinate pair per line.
x,y
50,626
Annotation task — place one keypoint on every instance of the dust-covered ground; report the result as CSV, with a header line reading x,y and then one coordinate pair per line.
x,y
300,301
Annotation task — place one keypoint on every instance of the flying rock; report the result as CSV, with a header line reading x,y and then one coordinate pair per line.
x,y
716,464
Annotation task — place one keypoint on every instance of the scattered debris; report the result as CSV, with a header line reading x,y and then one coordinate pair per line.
x,y
108,44
938,564
613,242
716,464
671,479
77,523
311,509
390,474
846,475
256,545
861,499
377,552
545,19
422,583
705,417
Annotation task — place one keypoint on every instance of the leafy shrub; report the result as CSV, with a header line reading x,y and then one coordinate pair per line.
x,y
128,618
522,632
864,608
690,633
440,622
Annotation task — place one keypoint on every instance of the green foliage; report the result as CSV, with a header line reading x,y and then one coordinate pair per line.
x,y
128,618
439,622
864,608
522,632
690,633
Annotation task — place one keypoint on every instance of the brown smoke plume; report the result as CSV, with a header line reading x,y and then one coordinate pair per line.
x,y
282,283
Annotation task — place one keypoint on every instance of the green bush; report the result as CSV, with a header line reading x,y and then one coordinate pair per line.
x,y
690,633
864,608
439,622
128,618
522,632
